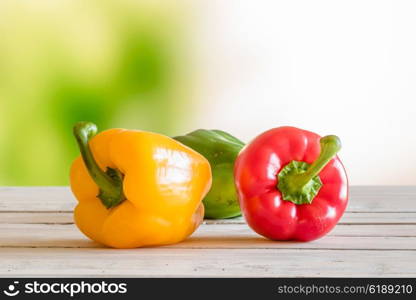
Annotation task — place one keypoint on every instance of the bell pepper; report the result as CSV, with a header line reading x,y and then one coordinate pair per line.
x,y
137,188
291,184
221,150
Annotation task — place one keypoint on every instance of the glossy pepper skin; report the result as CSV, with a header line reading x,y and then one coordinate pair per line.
x,y
221,150
137,188
291,184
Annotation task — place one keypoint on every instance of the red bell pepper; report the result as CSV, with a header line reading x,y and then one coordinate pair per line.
x,y
291,184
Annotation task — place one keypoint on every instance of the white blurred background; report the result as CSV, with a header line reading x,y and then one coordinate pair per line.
x,y
332,67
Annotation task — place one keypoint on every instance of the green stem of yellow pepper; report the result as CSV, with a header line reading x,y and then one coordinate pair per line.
x,y
110,183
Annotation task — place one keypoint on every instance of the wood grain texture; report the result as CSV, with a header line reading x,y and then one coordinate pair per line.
x,y
205,263
375,238
36,199
236,236
362,199
52,217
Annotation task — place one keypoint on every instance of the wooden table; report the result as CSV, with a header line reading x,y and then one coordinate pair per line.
x,y
375,238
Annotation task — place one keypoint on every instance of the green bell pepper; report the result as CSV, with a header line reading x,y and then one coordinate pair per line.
x,y
221,150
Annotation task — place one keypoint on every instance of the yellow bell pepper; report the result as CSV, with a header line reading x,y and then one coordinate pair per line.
x,y
137,188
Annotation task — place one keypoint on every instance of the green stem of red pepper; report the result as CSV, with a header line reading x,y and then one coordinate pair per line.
x,y
299,182
110,183
330,145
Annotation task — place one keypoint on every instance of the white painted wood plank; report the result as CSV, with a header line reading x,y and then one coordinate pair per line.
x,y
378,218
404,230
362,199
36,199
382,199
350,218
219,236
36,218
167,262
67,218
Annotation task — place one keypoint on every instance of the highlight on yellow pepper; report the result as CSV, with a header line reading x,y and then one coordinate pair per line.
x,y
137,188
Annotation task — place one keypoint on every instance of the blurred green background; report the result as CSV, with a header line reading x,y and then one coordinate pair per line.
x,y
117,63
